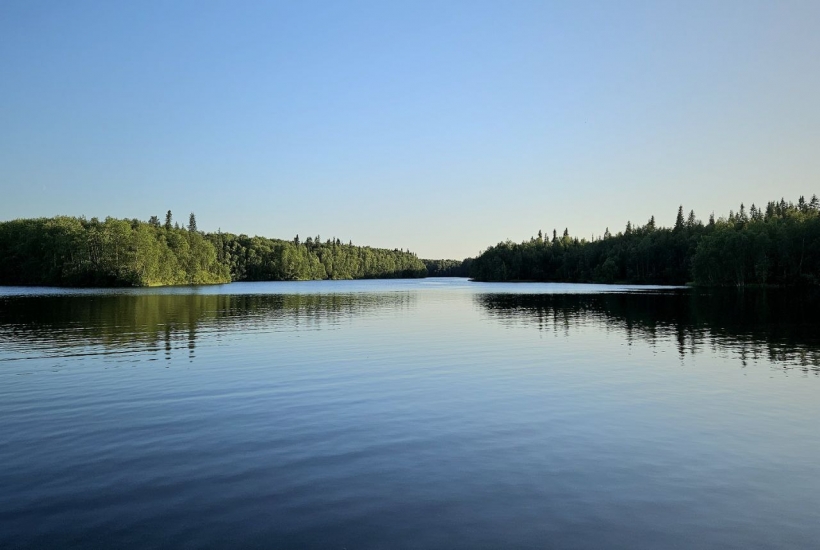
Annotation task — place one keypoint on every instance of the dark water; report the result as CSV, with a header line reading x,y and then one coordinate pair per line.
x,y
409,414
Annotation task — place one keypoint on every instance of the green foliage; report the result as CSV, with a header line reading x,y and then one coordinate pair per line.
x,y
68,251
262,259
448,268
78,252
780,246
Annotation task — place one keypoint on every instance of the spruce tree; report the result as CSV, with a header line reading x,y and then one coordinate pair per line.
x,y
168,220
192,222
679,219
691,220
741,216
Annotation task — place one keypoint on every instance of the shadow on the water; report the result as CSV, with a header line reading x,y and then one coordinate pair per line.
x,y
780,326
47,325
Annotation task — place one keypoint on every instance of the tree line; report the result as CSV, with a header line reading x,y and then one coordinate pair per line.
x,y
775,245
448,268
263,259
71,251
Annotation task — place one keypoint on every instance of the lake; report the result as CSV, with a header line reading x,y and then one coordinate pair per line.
x,y
432,413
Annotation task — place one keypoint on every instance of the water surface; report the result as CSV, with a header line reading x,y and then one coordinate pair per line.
x,y
432,413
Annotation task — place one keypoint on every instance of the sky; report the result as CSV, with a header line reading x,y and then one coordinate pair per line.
x,y
442,127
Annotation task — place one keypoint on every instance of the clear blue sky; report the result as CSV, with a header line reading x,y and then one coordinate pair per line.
x,y
443,127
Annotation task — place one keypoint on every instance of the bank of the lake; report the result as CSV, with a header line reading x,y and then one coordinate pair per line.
x,y
76,252
777,245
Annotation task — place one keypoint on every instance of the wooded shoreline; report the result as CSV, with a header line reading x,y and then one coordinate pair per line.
x,y
773,247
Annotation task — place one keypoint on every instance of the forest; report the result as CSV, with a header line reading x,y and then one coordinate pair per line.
x,y
776,245
70,251
448,268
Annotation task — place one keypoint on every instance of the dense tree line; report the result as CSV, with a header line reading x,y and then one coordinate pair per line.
x,y
262,259
448,268
778,245
67,251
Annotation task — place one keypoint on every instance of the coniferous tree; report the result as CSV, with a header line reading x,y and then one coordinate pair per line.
x,y
691,221
168,220
192,223
679,220
780,247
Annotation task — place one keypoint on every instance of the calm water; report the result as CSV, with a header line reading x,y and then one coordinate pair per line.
x,y
409,414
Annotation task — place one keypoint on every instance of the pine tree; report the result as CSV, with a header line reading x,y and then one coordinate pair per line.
x,y
168,220
192,223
